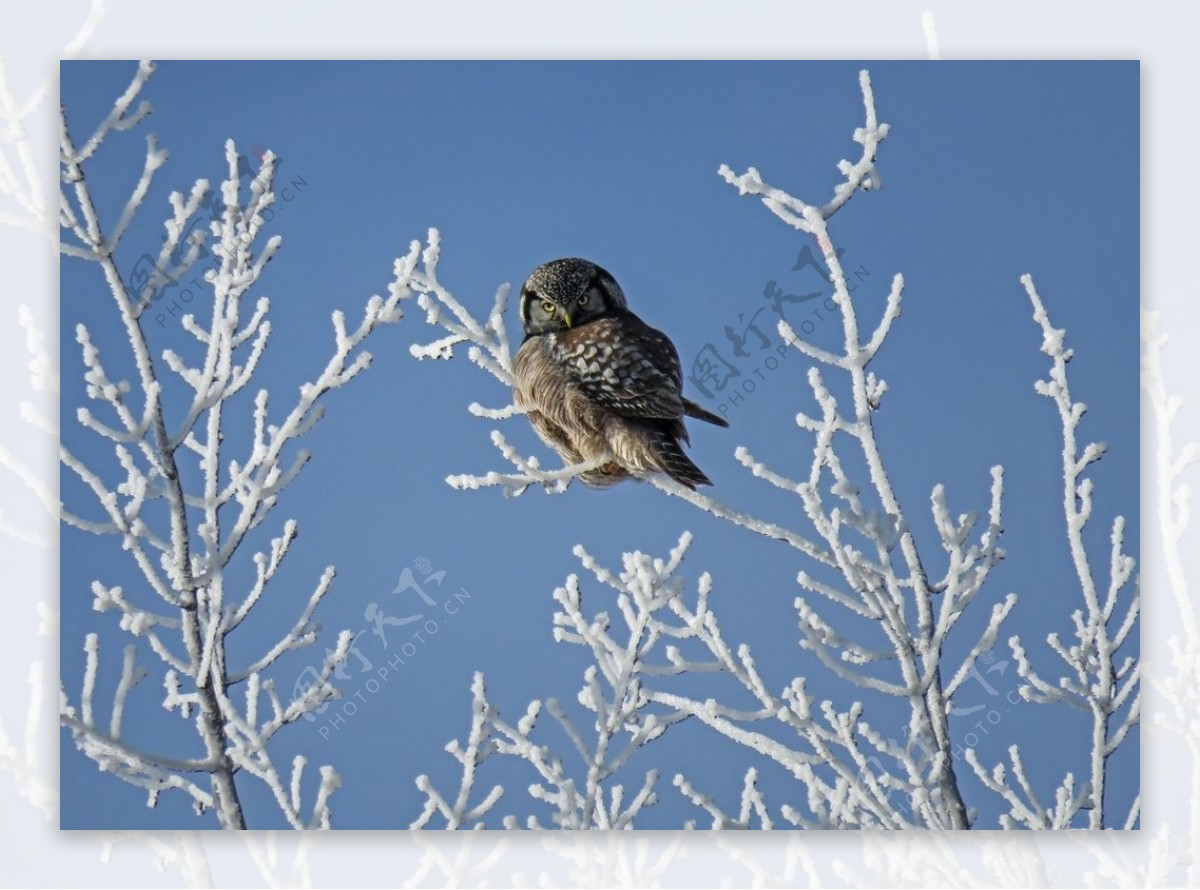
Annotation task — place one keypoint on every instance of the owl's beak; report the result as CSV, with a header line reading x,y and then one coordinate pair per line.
x,y
565,315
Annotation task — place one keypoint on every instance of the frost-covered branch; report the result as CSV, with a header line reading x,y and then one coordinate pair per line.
x,y
1175,672
487,347
43,378
836,756
22,759
23,201
529,472
1174,493
753,806
883,575
184,540
625,718
1025,810
860,175
851,774
1099,680
574,801
23,205
879,603
861,539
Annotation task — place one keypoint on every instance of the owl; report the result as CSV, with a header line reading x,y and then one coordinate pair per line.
x,y
597,382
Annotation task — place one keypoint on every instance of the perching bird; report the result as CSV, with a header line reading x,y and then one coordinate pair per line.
x,y
598,382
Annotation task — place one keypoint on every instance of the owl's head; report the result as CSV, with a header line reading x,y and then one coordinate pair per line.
x,y
566,293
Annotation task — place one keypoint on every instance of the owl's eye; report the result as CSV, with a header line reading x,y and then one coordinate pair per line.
x,y
584,297
547,307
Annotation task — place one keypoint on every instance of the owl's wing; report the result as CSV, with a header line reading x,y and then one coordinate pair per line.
x,y
625,366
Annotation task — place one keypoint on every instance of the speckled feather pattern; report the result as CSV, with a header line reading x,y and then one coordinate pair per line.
x,y
608,388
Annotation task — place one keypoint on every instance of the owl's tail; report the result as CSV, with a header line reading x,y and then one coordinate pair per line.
x,y
669,455
691,409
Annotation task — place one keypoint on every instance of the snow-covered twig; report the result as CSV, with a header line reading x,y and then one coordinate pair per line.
x,y
24,762
1174,673
1099,681
929,26
574,803
43,378
184,541
613,690
23,202
862,558
23,205
529,472
860,175
753,806
858,541
1174,494
837,757
487,347
883,573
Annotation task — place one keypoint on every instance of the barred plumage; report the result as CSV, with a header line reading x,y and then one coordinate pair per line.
x,y
599,383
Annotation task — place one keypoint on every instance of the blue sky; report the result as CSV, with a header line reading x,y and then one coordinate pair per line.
x,y
991,170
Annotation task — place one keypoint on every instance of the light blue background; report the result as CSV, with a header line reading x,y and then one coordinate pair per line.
x,y
992,169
